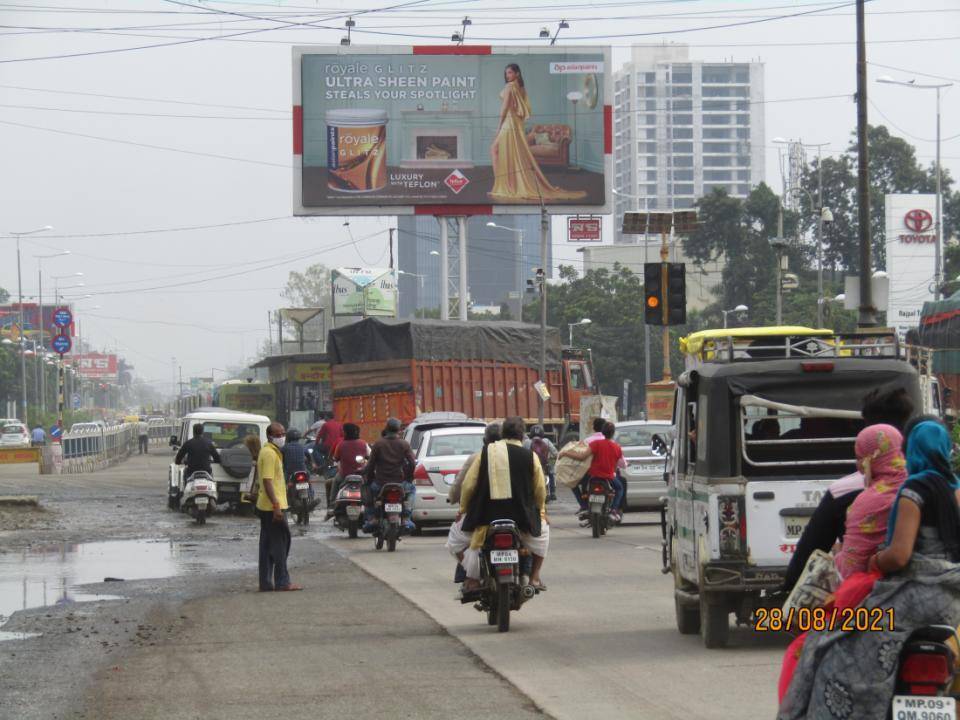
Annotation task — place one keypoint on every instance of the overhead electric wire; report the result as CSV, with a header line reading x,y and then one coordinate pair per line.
x,y
905,132
136,114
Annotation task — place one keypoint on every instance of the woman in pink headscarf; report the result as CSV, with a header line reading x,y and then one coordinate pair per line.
x,y
880,458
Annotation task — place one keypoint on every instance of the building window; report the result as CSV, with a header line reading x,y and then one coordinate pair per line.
x,y
650,77
683,203
743,189
683,133
649,189
683,147
743,175
683,175
716,161
716,119
651,133
649,147
651,105
683,119
652,175
683,105
743,119
710,187
718,147
681,91
743,134
717,75
717,175
683,161
717,133
743,76
683,189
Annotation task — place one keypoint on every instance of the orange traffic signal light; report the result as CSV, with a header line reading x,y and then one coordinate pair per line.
x,y
653,301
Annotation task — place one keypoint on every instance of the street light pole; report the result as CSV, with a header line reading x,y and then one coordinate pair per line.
x,y
518,269
938,220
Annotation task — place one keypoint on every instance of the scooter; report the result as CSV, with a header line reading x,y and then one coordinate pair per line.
x,y
388,515
926,673
348,505
298,488
599,495
199,497
504,575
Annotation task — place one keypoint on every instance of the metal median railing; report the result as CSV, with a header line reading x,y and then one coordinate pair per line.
x,y
92,447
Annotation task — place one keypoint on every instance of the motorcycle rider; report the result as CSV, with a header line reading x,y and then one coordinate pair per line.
x,y
391,460
346,454
607,459
294,456
547,452
197,451
505,482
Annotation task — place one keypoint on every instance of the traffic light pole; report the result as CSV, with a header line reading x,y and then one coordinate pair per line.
x,y
665,284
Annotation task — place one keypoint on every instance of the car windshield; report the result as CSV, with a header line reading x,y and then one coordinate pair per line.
x,y
228,434
454,444
12,430
638,436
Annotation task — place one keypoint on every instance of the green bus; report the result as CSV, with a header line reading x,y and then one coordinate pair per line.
x,y
258,398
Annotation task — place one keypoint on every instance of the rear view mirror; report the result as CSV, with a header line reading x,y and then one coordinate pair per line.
x,y
173,441
658,446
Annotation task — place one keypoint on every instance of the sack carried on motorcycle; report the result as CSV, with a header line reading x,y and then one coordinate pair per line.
x,y
817,584
570,471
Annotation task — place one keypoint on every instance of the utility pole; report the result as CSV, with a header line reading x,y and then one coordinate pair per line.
x,y
544,237
868,313
391,247
665,284
779,248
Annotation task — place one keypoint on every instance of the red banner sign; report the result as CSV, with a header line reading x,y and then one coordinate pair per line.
x,y
583,229
98,366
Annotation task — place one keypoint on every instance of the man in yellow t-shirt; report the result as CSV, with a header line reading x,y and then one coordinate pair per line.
x,y
271,502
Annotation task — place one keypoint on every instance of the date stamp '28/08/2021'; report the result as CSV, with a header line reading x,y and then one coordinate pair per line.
x,y
859,619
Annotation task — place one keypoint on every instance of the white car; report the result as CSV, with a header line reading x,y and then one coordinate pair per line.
x,y
14,435
441,454
226,429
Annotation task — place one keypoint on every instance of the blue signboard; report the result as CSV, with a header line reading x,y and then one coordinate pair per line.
x,y
56,431
75,401
61,344
62,317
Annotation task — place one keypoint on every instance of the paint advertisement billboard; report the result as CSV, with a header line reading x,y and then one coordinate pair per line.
x,y
370,292
911,256
98,366
10,321
451,130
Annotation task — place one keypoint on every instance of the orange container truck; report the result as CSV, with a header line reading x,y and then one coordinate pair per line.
x,y
486,370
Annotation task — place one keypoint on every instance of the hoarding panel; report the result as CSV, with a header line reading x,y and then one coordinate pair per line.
x,y
371,292
98,366
414,130
911,256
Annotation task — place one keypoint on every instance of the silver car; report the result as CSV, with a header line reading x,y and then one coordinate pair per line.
x,y
441,454
643,475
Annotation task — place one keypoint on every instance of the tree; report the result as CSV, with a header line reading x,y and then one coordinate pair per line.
x,y
311,288
4,296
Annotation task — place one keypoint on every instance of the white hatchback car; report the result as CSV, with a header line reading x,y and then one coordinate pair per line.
x,y
441,454
14,435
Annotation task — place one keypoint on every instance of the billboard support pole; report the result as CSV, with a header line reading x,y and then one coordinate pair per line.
x,y
462,228
444,271
544,233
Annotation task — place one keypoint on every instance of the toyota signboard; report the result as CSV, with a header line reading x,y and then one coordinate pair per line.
x,y
451,130
911,242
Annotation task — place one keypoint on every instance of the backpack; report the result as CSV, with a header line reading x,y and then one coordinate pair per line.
x,y
542,450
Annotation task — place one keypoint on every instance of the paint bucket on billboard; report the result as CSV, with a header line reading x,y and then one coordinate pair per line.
x,y
356,150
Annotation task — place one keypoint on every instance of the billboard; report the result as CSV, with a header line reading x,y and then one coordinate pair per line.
x,y
584,230
911,256
10,321
451,130
98,366
364,291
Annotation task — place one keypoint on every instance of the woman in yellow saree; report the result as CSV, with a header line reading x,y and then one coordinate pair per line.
x,y
516,175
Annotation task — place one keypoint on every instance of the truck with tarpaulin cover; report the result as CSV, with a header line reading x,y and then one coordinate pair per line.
x,y
939,335
487,370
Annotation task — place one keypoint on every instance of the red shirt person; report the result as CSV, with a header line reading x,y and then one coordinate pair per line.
x,y
329,434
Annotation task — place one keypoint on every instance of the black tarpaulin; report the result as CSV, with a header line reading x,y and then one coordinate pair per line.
x,y
940,329
375,339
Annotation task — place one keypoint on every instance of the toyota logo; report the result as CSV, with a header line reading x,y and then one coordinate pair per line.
x,y
918,220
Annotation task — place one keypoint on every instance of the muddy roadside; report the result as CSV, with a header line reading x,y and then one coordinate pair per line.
x,y
182,632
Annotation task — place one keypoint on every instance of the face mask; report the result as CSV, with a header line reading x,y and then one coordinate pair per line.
x,y
279,441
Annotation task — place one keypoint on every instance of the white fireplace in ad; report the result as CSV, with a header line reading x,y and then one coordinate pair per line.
x,y
437,139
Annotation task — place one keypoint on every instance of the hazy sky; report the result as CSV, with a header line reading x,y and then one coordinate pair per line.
x,y
231,97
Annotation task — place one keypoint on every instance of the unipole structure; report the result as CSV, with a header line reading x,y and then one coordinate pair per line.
x,y
22,338
544,240
462,260
444,271
867,312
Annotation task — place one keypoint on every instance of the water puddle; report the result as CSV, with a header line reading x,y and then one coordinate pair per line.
x,y
41,577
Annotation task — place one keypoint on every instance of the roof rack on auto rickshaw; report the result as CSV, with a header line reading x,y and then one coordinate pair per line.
x,y
750,344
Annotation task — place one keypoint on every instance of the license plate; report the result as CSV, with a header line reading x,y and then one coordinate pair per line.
x,y
647,468
393,507
917,707
303,486
504,557
201,502
793,526
353,511
598,499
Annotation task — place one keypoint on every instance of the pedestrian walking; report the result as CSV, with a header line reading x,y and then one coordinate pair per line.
x,y
143,436
271,505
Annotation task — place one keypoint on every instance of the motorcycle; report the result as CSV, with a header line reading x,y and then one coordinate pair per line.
x,y
388,515
504,575
348,505
600,495
926,673
298,492
199,497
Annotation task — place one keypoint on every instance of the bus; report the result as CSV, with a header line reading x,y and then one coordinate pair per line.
x,y
258,398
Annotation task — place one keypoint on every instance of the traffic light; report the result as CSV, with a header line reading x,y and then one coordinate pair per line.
x,y
677,294
653,293
656,295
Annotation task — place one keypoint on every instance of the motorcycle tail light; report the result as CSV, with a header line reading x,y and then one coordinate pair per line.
x,y
353,495
503,541
504,570
598,489
421,476
300,476
925,673
393,496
